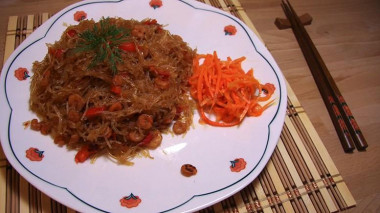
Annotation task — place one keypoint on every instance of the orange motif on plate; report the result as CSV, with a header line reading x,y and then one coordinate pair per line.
x,y
230,30
80,15
155,3
34,154
21,74
237,165
130,201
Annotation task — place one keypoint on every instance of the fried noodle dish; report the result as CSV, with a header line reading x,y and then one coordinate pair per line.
x,y
112,88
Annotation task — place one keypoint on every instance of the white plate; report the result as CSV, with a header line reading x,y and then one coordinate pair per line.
x,y
157,183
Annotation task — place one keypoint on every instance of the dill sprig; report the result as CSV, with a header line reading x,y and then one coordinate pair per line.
x,y
103,40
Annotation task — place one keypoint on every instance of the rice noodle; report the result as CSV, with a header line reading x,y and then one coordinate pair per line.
x,y
56,78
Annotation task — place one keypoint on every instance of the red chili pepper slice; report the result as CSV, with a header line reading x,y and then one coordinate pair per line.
x,y
147,139
128,46
164,74
116,89
84,153
94,111
71,33
150,22
57,53
179,109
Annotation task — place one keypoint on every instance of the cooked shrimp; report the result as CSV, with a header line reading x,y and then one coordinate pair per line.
x,y
45,79
135,136
45,128
139,31
74,138
170,116
73,116
59,140
35,125
179,127
76,101
162,83
156,140
115,107
145,121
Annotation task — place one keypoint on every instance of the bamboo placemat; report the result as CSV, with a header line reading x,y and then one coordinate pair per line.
x,y
299,177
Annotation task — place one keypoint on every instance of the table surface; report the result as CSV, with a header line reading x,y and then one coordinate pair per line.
x,y
347,35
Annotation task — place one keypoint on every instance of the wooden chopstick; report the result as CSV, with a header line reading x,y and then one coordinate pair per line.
x,y
347,129
326,93
353,127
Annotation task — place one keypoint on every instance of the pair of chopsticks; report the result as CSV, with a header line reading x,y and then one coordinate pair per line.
x,y
344,122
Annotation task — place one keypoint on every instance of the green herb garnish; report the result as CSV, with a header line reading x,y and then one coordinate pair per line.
x,y
103,40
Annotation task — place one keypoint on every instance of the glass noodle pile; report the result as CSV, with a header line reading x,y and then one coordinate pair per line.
x,y
112,87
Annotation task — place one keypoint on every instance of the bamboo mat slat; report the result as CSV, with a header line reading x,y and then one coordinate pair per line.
x,y
299,177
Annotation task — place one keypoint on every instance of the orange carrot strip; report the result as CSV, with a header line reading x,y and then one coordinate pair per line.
x,y
224,89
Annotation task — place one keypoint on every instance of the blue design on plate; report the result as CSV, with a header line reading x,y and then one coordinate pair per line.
x,y
40,153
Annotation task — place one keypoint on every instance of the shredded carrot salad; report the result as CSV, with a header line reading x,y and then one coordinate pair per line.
x,y
225,90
